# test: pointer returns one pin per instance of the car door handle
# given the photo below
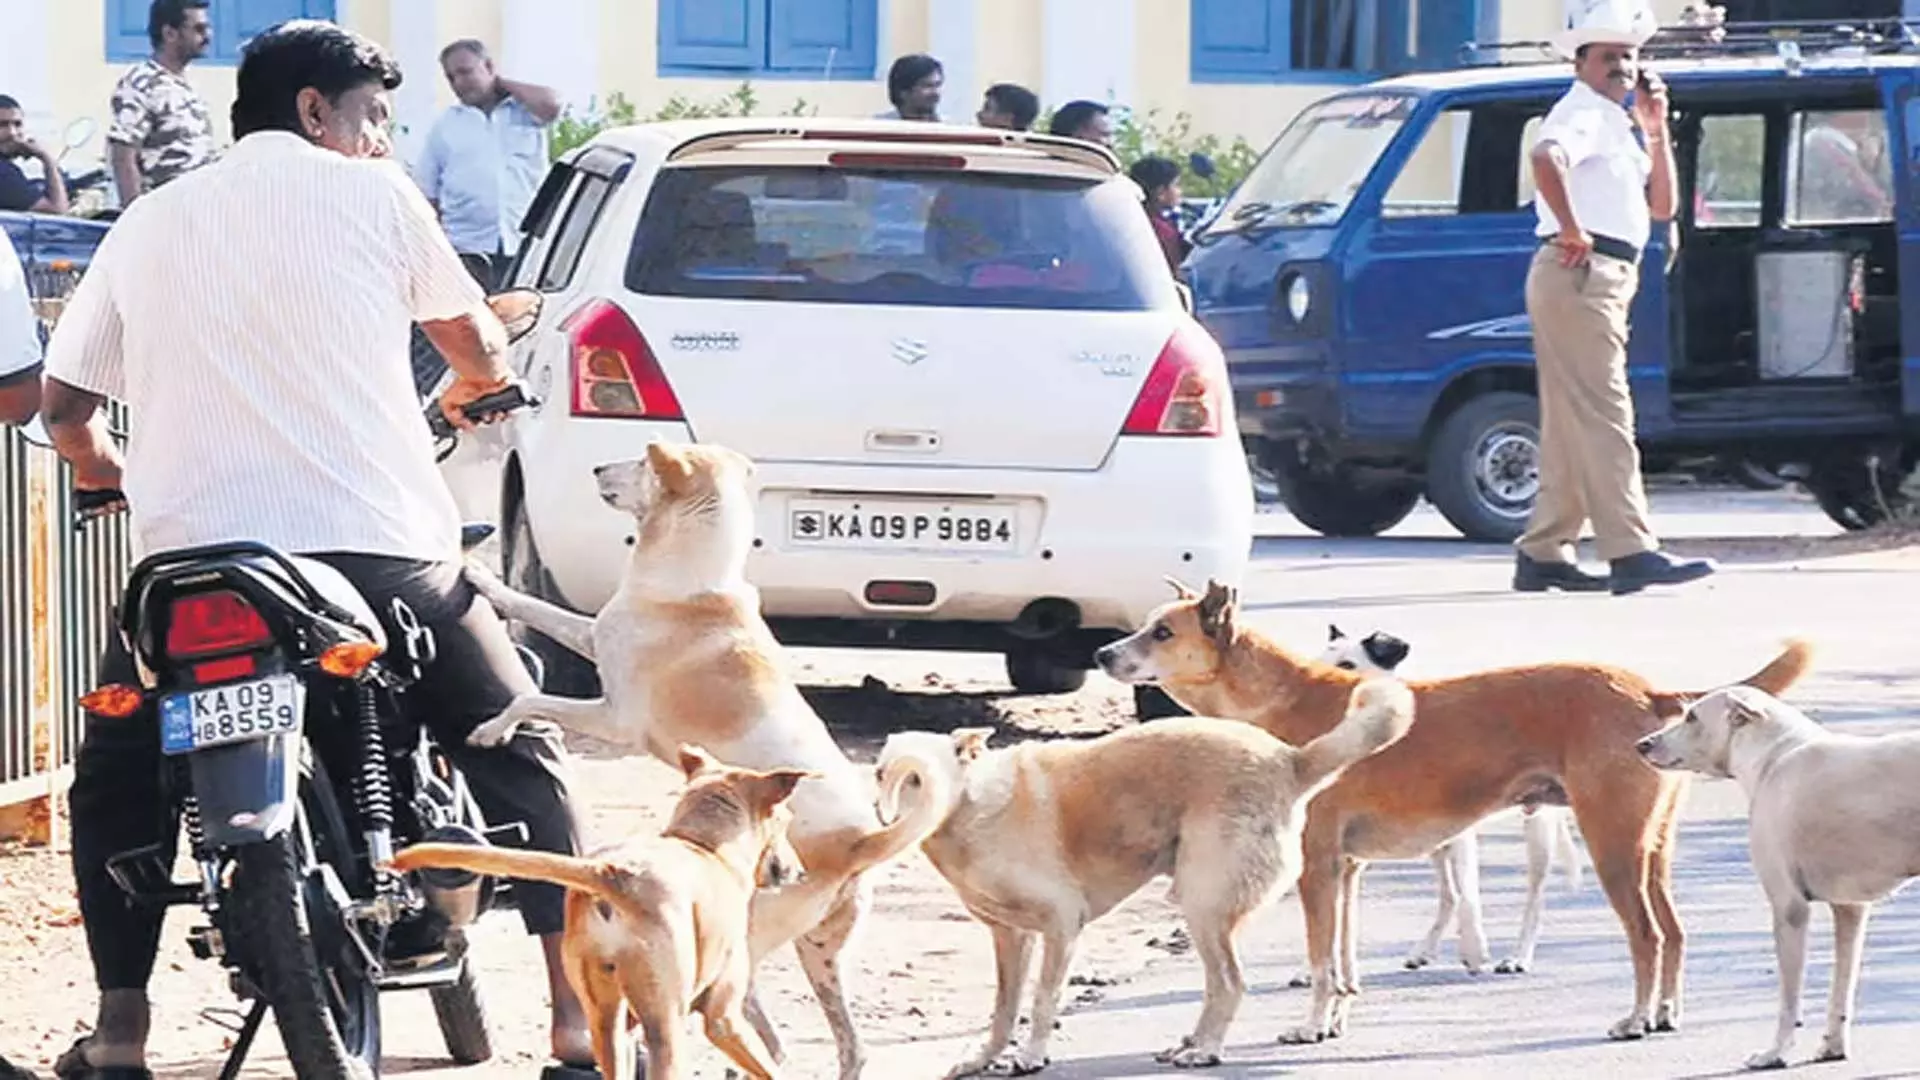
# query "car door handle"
(895, 441)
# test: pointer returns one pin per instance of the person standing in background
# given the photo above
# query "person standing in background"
(161, 127)
(1084, 120)
(1159, 180)
(485, 157)
(913, 85)
(16, 193)
(1008, 106)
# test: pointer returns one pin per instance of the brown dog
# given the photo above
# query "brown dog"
(1482, 743)
(657, 926)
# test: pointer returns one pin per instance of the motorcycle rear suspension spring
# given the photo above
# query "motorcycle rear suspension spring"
(375, 792)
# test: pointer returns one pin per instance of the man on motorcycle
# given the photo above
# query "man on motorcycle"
(254, 315)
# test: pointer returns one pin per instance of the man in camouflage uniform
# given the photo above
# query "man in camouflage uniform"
(161, 128)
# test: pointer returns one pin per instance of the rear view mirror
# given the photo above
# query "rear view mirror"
(518, 310)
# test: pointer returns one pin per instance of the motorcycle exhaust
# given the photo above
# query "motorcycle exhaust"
(459, 896)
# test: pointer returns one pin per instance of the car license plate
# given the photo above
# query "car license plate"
(232, 713)
(906, 526)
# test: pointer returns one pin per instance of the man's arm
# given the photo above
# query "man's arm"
(55, 200)
(19, 341)
(1650, 108)
(539, 100)
(84, 365)
(125, 162)
(78, 428)
(132, 123)
(20, 396)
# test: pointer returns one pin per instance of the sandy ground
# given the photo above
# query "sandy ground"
(923, 969)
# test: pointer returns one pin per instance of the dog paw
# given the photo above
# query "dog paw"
(1767, 1059)
(1417, 961)
(1667, 1017)
(1188, 1056)
(1304, 1036)
(498, 731)
(1300, 981)
(1633, 1027)
(1474, 967)
(1512, 965)
(1018, 1063)
(1832, 1049)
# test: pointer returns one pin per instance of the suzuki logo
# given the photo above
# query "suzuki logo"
(909, 351)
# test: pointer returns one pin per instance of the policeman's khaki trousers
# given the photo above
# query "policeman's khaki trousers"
(1589, 463)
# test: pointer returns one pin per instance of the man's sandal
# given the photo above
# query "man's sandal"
(73, 1065)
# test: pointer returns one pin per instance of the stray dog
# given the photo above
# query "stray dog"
(685, 657)
(658, 925)
(1832, 820)
(1457, 862)
(1483, 743)
(1045, 837)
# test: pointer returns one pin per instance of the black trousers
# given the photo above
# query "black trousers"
(119, 799)
(489, 270)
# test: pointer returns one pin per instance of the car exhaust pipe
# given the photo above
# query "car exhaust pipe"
(459, 896)
(1046, 618)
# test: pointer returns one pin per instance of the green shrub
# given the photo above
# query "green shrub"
(1137, 135)
(573, 130)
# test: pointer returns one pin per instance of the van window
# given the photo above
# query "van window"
(1429, 181)
(1730, 172)
(944, 238)
(1314, 169)
(1470, 161)
(1839, 171)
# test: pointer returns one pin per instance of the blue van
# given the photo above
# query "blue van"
(1366, 281)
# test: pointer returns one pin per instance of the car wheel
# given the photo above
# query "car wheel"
(1483, 469)
(567, 673)
(1335, 504)
(1859, 494)
(1037, 671)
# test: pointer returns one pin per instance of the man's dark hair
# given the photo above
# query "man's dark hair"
(1016, 101)
(1154, 173)
(907, 72)
(7, 102)
(165, 14)
(1073, 116)
(472, 45)
(287, 58)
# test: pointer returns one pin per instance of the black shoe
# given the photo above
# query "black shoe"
(1532, 575)
(1636, 572)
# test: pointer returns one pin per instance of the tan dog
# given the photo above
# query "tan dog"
(685, 657)
(1832, 819)
(1043, 838)
(658, 925)
(1484, 743)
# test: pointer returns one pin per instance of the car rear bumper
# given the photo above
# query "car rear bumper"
(1101, 540)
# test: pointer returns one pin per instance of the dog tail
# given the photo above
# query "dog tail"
(1795, 658)
(922, 813)
(584, 874)
(1378, 715)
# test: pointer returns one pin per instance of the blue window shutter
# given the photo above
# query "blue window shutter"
(1241, 38)
(1444, 26)
(127, 30)
(719, 35)
(822, 36)
(236, 22)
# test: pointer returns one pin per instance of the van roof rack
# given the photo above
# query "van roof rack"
(1789, 39)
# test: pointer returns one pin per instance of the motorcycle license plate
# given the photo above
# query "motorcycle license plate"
(232, 713)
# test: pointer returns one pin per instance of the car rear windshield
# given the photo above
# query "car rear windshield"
(937, 238)
(1316, 166)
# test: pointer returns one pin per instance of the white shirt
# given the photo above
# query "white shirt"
(255, 316)
(19, 327)
(483, 169)
(1607, 171)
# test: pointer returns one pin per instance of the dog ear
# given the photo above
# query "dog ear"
(670, 464)
(1385, 650)
(694, 761)
(1333, 633)
(773, 788)
(1217, 611)
(970, 742)
(1739, 712)
(1180, 589)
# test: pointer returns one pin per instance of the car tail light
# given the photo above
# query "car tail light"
(1186, 392)
(213, 622)
(614, 371)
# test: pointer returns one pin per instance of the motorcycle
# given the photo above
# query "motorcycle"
(295, 776)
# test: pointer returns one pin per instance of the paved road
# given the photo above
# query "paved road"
(1449, 599)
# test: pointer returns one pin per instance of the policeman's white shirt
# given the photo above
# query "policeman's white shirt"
(255, 317)
(1607, 171)
(19, 327)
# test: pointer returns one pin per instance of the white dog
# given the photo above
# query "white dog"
(1549, 829)
(1831, 820)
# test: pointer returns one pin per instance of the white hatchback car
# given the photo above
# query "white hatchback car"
(982, 416)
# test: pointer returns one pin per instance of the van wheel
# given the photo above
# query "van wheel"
(1037, 671)
(1334, 504)
(568, 674)
(1483, 468)
(1858, 494)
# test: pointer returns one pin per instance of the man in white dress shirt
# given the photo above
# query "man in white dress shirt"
(19, 341)
(254, 315)
(1604, 169)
